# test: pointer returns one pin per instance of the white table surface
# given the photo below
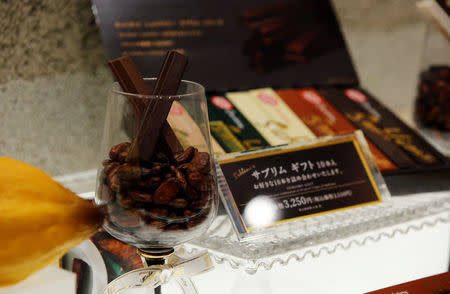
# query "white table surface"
(387, 262)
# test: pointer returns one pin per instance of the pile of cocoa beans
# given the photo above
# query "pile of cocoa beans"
(166, 194)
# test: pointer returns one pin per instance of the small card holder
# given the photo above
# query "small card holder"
(272, 190)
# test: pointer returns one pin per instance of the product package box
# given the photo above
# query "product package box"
(420, 166)
(270, 116)
(324, 120)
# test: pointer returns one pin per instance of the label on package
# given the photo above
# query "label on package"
(280, 185)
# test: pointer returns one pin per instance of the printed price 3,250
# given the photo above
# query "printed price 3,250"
(294, 202)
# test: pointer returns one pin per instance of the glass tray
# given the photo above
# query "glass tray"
(360, 225)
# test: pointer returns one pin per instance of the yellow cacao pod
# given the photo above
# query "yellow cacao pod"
(40, 220)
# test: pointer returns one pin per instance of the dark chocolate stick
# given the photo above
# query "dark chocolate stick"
(171, 73)
(156, 113)
(131, 81)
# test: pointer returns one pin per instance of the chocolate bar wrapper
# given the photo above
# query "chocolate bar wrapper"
(324, 120)
(256, 116)
(188, 132)
(266, 119)
(225, 136)
(417, 146)
(321, 124)
(369, 124)
(221, 108)
(395, 129)
(185, 128)
(217, 149)
(290, 125)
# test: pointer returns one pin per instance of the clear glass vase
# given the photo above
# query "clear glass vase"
(171, 198)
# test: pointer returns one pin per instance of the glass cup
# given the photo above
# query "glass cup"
(172, 198)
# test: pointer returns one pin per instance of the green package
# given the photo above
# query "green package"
(220, 108)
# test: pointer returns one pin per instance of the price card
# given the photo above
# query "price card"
(267, 188)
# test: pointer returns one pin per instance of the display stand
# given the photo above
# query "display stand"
(251, 256)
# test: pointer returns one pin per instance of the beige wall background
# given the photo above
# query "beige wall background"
(54, 81)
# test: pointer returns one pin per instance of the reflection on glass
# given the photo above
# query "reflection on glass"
(261, 211)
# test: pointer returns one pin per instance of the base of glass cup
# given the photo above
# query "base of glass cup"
(155, 253)
(134, 278)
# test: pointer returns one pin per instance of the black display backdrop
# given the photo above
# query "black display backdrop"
(231, 44)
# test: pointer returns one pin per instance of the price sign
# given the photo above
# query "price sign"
(282, 185)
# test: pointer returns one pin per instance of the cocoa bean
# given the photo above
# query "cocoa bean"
(191, 193)
(156, 170)
(207, 184)
(107, 209)
(113, 181)
(194, 178)
(128, 219)
(111, 167)
(195, 221)
(169, 175)
(106, 162)
(184, 167)
(200, 182)
(129, 172)
(199, 204)
(174, 227)
(186, 156)
(124, 201)
(123, 155)
(140, 196)
(200, 162)
(180, 177)
(178, 203)
(156, 224)
(188, 213)
(117, 149)
(151, 183)
(105, 193)
(166, 191)
(205, 196)
(157, 212)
